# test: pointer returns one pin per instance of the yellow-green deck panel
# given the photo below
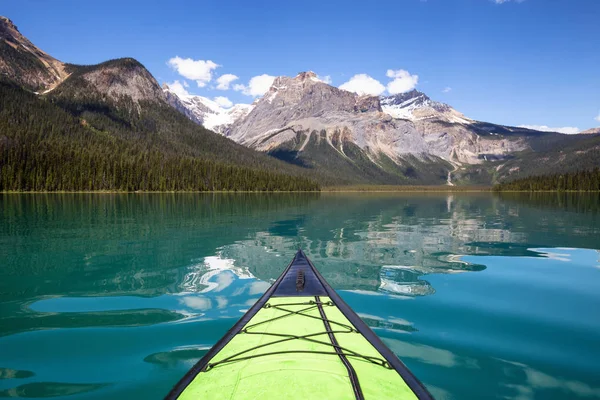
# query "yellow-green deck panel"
(296, 375)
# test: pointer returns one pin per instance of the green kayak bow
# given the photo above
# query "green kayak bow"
(299, 341)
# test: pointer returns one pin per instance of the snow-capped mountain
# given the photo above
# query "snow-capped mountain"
(398, 138)
(415, 105)
(395, 126)
(207, 112)
(404, 138)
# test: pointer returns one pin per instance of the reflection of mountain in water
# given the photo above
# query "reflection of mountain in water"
(148, 245)
(378, 242)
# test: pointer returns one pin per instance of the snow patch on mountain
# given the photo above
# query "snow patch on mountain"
(414, 106)
(208, 112)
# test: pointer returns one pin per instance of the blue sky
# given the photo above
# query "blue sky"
(528, 62)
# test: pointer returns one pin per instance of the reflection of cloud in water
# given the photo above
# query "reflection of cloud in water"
(196, 302)
(429, 354)
(370, 293)
(553, 255)
(258, 287)
(186, 355)
(390, 323)
(439, 393)
(221, 301)
(250, 302)
(223, 280)
(536, 381)
(403, 280)
(209, 276)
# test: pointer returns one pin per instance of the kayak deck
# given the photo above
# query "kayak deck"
(299, 341)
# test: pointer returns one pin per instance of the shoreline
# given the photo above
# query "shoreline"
(331, 189)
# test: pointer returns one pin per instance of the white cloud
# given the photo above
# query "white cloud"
(363, 84)
(185, 84)
(598, 117)
(223, 101)
(325, 79)
(257, 86)
(447, 89)
(402, 81)
(568, 130)
(225, 80)
(179, 89)
(197, 70)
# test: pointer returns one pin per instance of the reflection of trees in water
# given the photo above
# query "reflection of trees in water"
(408, 237)
(587, 202)
(351, 238)
(146, 244)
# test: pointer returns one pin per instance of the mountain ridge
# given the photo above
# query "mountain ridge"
(389, 139)
(110, 126)
(306, 127)
(43, 71)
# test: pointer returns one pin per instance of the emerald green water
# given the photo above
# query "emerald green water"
(118, 295)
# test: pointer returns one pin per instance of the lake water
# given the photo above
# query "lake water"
(118, 295)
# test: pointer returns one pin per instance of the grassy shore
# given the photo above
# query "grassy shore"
(149, 191)
(340, 189)
(393, 188)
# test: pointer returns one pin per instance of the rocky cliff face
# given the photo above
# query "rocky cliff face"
(22, 62)
(308, 122)
(408, 124)
(122, 84)
(592, 131)
(122, 78)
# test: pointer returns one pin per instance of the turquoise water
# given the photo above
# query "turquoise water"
(117, 296)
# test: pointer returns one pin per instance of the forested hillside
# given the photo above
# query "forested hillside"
(574, 181)
(56, 143)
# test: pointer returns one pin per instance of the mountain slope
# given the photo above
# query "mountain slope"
(44, 147)
(29, 66)
(401, 139)
(420, 148)
(591, 131)
(414, 106)
(110, 126)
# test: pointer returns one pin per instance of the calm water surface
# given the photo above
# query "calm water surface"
(117, 296)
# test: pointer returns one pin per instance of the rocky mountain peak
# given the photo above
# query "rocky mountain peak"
(413, 96)
(24, 63)
(118, 79)
(306, 75)
(7, 27)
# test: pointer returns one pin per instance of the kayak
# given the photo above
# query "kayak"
(300, 340)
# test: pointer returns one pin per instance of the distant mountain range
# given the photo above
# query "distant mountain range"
(308, 129)
(404, 138)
